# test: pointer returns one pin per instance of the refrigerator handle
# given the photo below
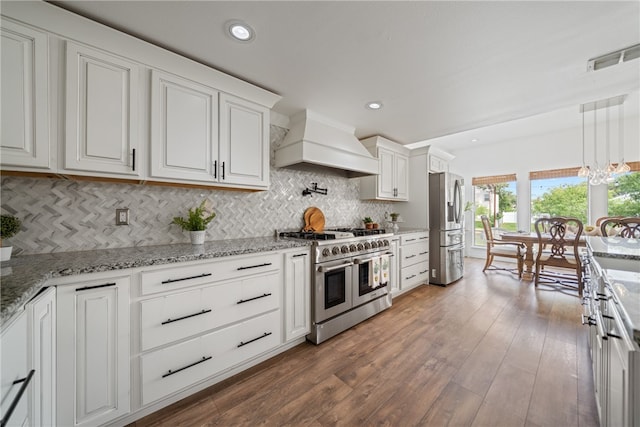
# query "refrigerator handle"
(457, 201)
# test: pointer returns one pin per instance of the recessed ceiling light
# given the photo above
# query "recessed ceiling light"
(240, 31)
(474, 139)
(374, 105)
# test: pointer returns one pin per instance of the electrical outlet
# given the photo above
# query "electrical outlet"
(122, 216)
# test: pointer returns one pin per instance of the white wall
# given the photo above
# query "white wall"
(540, 151)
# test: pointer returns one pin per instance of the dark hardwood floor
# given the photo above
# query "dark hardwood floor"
(488, 350)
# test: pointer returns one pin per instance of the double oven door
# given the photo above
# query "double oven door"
(343, 284)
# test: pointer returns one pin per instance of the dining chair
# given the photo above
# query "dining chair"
(628, 227)
(558, 240)
(497, 248)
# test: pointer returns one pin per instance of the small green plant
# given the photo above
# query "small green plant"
(367, 220)
(9, 226)
(197, 220)
(394, 216)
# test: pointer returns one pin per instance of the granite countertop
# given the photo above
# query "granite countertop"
(22, 277)
(409, 230)
(625, 286)
(614, 247)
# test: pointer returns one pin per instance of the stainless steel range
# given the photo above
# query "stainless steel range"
(350, 278)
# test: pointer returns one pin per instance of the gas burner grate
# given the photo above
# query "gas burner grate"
(307, 235)
(358, 232)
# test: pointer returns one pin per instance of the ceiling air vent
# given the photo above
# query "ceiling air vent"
(613, 58)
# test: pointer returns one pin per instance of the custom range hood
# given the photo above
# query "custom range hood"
(314, 140)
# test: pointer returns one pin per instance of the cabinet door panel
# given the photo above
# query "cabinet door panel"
(24, 139)
(297, 295)
(386, 187)
(244, 142)
(93, 351)
(184, 133)
(402, 177)
(101, 112)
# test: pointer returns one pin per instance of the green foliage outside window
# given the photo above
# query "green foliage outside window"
(569, 200)
(624, 195)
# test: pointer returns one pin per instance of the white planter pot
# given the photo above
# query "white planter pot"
(197, 237)
(5, 253)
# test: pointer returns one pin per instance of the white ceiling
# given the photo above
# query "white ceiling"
(439, 68)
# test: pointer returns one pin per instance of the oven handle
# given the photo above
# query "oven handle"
(323, 269)
(364, 260)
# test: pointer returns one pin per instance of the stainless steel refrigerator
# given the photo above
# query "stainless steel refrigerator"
(446, 232)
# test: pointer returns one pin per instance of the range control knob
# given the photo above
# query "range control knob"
(335, 250)
(360, 246)
(353, 247)
(326, 252)
(344, 249)
(374, 244)
(385, 242)
(367, 245)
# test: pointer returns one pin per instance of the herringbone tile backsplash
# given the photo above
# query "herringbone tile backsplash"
(59, 215)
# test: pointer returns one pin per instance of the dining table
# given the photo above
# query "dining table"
(530, 240)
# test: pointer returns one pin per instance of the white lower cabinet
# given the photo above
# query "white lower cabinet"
(297, 294)
(93, 357)
(414, 260)
(42, 357)
(178, 366)
(14, 372)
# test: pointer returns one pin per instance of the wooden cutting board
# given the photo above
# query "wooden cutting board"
(313, 220)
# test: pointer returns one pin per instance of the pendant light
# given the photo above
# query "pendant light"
(584, 170)
(622, 166)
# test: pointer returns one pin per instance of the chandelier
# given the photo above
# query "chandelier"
(602, 170)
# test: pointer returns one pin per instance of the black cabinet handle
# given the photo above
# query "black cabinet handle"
(424, 237)
(409, 256)
(86, 288)
(186, 317)
(186, 278)
(266, 334)
(215, 169)
(422, 272)
(410, 277)
(170, 372)
(25, 383)
(242, 301)
(254, 266)
(133, 160)
(410, 240)
(612, 335)
(223, 170)
(297, 255)
(423, 253)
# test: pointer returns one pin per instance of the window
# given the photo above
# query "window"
(495, 197)
(624, 193)
(558, 192)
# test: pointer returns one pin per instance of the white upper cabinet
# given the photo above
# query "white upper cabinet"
(184, 129)
(101, 112)
(392, 182)
(24, 140)
(244, 142)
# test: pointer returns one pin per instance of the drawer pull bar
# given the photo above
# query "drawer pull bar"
(170, 372)
(410, 277)
(410, 240)
(242, 301)
(297, 255)
(186, 278)
(423, 237)
(86, 288)
(422, 272)
(254, 266)
(186, 317)
(423, 253)
(409, 256)
(25, 383)
(266, 334)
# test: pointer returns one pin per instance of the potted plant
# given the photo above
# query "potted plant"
(394, 216)
(9, 226)
(196, 222)
(368, 222)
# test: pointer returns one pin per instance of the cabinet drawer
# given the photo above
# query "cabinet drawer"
(183, 314)
(416, 273)
(406, 239)
(413, 254)
(173, 368)
(167, 279)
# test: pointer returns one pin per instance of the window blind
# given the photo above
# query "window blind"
(495, 179)
(553, 173)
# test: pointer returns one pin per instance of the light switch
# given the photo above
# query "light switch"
(122, 216)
